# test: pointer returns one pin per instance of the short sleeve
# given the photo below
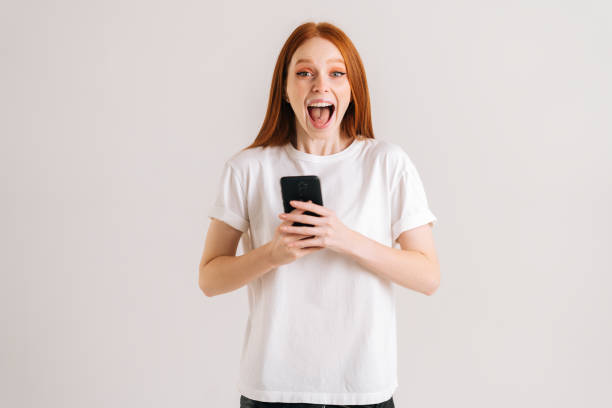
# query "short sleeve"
(409, 207)
(230, 205)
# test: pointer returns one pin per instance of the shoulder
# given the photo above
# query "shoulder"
(392, 154)
(248, 164)
(244, 160)
(243, 156)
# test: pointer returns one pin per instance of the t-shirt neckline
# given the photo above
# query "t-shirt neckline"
(300, 155)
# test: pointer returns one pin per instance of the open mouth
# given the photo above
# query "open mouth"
(321, 117)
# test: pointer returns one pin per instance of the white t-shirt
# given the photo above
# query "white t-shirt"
(322, 329)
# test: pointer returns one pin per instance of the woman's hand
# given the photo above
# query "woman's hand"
(281, 251)
(327, 230)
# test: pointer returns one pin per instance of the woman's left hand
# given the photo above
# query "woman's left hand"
(327, 230)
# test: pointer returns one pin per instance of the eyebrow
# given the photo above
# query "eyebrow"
(329, 60)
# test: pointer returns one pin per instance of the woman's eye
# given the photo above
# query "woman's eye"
(335, 72)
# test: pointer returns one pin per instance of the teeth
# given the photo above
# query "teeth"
(319, 104)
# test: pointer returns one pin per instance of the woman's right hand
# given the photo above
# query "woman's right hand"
(280, 253)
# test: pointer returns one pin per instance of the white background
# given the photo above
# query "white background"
(116, 119)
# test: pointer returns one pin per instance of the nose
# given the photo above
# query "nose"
(320, 84)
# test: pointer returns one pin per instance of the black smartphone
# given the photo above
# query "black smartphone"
(301, 188)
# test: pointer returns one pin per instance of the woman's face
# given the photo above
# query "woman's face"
(317, 71)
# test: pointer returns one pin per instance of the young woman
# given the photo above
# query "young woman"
(321, 327)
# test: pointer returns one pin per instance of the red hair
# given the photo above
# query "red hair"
(278, 127)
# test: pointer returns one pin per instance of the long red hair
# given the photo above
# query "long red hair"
(278, 127)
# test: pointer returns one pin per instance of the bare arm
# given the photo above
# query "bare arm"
(220, 270)
(415, 266)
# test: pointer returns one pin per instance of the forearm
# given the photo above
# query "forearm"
(227, 273)
(410, 269)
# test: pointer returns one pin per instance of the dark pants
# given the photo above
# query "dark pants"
(249, 403)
